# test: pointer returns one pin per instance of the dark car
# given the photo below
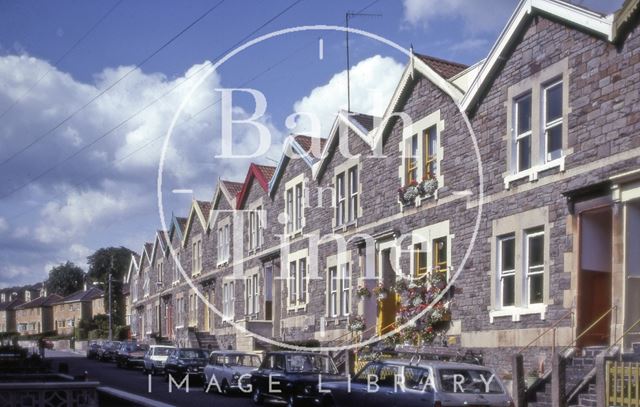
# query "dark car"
(292, 377)
(92, 350)
(186, 361)
(131, 354)
(405, 383)
(107, 351)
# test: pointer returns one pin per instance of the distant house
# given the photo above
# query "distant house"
(36, 316)
(8, 314)
(70, 310)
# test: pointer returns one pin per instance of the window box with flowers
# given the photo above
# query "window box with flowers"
(416, 192)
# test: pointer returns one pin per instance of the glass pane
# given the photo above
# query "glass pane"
(536, 250)
(554, 142)
(554, 102)
(536, 288)
(524, 153)
(414, 146)
(508, 291)
(508, 253)
(433, 141)
(523, 118)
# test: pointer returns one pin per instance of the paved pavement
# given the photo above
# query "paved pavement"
(133, 381)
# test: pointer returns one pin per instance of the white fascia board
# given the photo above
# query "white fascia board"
(568, 12)
(397, 94)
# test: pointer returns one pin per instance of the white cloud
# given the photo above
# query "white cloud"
(373, 81)
(476, 16)
(92, 201)
(81, 213)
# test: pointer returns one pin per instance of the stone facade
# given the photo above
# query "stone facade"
(480, 198)
(36, 316)
(76, 307)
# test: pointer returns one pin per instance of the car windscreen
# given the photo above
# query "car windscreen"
(310, 364)
(469, 381)
(242, 360)
(192, 354)
(162, 351)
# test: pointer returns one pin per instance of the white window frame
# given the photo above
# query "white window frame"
(533, 270)
(418, 130)
(518, 138)
(334, 306)
(176, 267)
(546, 126)
(294, 198)
(297, 280)
(345, 289)
(340, 200)
(502, 274)
(353, 176)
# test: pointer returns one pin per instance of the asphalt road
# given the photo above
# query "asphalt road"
(133, 381)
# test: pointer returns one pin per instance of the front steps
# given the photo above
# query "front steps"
(206, 340)
(580, 381)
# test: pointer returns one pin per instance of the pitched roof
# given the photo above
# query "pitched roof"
(262, 174)
(182, 222)
(83, 295)
(267, 171)
(233, 187)
(566, 13)
(367, 121)
(444, 68)
(41, 302)
(9, 305)
(205, 207)
(309, 144)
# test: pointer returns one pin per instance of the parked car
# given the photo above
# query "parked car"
(399, 382)
(185, 361)
(155, 358)
(131, 354)
(107, 351)
(231, 370)
(292, 377)
(47, 343)
(92, 349)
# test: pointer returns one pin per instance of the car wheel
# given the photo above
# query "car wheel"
(153, 370)
(166, 377)
(257, 397)
(291, 402)
(226, 389)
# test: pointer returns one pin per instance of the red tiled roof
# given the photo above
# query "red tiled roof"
(233, 187)
(267, 171)
(444, 68)
(307, 143)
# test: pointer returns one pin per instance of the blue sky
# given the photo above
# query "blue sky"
(104, 195)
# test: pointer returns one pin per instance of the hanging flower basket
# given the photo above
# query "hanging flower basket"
(356, 324)
(363, 292)
(380, 291)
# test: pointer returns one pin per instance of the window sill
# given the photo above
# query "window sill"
(533, 172)
(222, 263)
(343, 227)
(516, 312)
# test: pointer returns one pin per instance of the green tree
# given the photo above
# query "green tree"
(114, 260)
(65, 279)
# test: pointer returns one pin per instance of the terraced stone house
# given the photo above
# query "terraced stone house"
(528, 167)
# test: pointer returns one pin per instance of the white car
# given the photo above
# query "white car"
(155, 358)
(231, 369)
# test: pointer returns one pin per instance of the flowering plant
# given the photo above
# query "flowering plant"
(356, 324)
(426, 188)
(363, 292)
(415, 298)
(380, 291)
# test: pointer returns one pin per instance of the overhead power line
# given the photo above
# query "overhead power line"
(138, 112)
(57, 61)
(111, 86)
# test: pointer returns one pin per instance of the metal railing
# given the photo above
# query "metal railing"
(590, 327)
(553, 328)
